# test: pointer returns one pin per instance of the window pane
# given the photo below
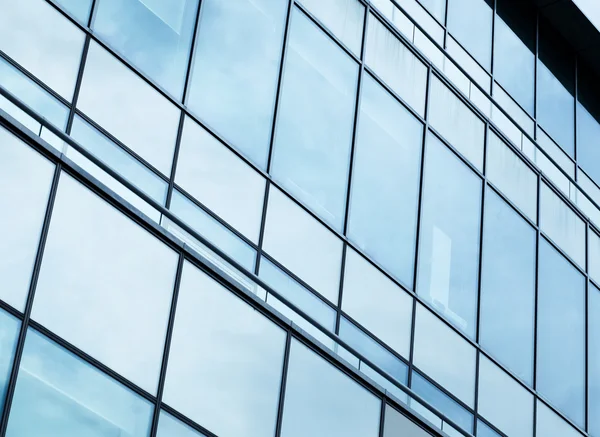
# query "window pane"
(25, 179)
(155, 35)
(588, 121)
(436, 7)
(168, 426)
(594, 256)
(235, 70)
(33, 95)
(225, 362)
(314, 126)
(302, 245)
(508, 287)
(377, 303)
(456, 122)
(385, 181)
(550, 423)
(485, 431)
(345, 18)
(443, 355)
(304, 299)
(561, 333)
(44, 42)
(514, 50)
(393, 62)
(509, 173)
(220, 180)
(128, 108)
(449, 241)
(59, 394)
(562, 225)
(594, 359)
(470, 21)
(321, 400)
(9, 333)
(398, 425)
(98, 267)
(503, 402)
(80, 9)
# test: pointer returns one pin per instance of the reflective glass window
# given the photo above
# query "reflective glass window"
(470, 22)
(225, 362)
(220, 180)
(25, 179)
(235, 70)
(594, 359)
(503, 402)
(33, 95)
(449, 236)
(456, 122)
(508, 287)
(549, 423)
(561, 333)
(398, 425)
(594, 255)
(59, 394)
(304, 299)
(484, 430)
(393, 62)
(42, 41)
(512, 176)
(154, 35)
(345, 18)
(514, 50)
(9, 333)
(385, 181)
(588, 121)
(119, 160)
(562, 224)
(315, 121)
(80, 9)
(168, 426)
(321, 400)
(555, 87)
(436, 7)
(378, 304)
(302, 245)
(100, 268)
(444, 355)
(128, 108)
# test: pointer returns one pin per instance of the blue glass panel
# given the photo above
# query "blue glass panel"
(594, 359)
(449, 241)
(508, 287)
(80, 9)
(168, 426)
(485, 431)
(235, 70)
(372, 351)
(561, 333)
(385, 181)
(9, 332)
(155, 35)
(57, 394)
(588, 121)
(442, 402)
(315, 117)
(470, 22)
(436, 7)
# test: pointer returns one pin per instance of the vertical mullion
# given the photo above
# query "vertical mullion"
(535, 317)
(382, 417)
(29, 303)
(168, 337)
(78, 82)
(587, 319)
(175, 160)
(284, 372)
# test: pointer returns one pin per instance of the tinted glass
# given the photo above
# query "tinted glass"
(42, 41)
(470, 21)
(321, 400)
(436, 7)
(57, 394)
(168, 426)
(561, 333)
(508, 287)
(314, 125)
(154, 35)
(593, 246)
(550, 423)
(311, 251)
(588, 121)
(594, 359)
(98, 268)
(128, 108)
(220, 180)
(378, 304)
(235, 69)
(9, 333)
(385, 181)
(225, 362)
(398, 425)
(25, 179)
(80, 9)
(449, 239)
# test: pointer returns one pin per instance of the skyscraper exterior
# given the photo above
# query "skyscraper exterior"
(299, 218)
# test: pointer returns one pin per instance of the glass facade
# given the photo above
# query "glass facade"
(280, 218)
